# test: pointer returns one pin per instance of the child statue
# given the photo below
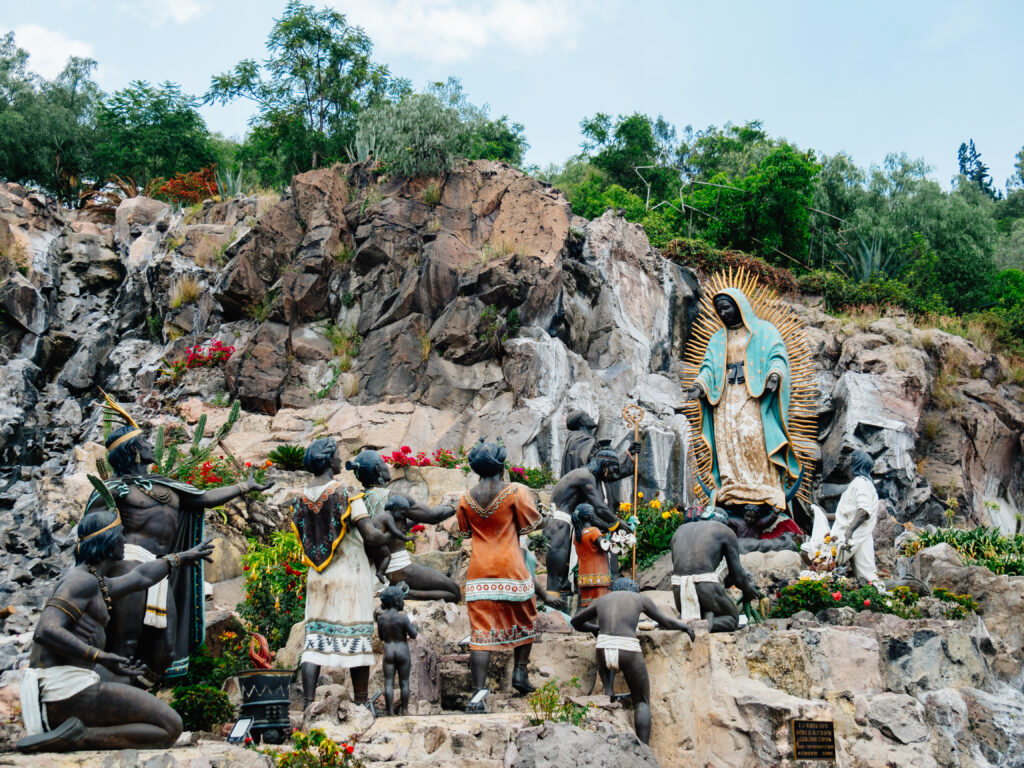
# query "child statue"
(594, 577)
(381, 555)
(395, 629)
(618, 647)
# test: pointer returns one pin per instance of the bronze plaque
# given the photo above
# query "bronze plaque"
(813, 739)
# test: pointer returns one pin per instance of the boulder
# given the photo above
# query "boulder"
(22, 302)
(558, 744)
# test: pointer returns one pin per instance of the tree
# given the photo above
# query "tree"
(633, 152)
(974, 169)
(485, 139)
(316, 80)
(46, 126)
(148, 132)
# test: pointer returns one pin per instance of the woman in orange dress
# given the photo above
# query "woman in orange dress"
(499, 586)
(593, 575)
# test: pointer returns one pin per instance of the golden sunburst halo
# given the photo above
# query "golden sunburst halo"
(802, 419)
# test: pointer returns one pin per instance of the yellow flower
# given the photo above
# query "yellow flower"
(625, 506)
(655, 504)
(673, 511)
(833, 551)
(666, 515)
(640, 495)
(828, 539)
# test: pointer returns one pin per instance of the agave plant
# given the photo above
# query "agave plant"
(367, 146)
(228, 185)
(869, 260)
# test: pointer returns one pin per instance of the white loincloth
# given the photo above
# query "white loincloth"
(612, 644)
(399, 560)
(156, 596)
(689, 604)
(560, 515)
(39, 686)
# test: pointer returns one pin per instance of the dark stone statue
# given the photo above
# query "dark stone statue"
(380, 555)
(395, 630)
(384, 503)
(579, 486)
(613, 620)
(65, 704)
(582, 444)
(160, 516)
(424, 583)
(700, 577)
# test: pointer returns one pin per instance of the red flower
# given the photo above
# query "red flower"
(418, 527)
(406, 449)
(349, 748)
(867, 603)
(837, 596)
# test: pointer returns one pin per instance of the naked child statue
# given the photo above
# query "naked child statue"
(395, 630)
(618, 647)
(65, 704)
(706, 560)
(161, 516)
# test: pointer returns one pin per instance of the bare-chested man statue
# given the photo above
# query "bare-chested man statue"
(579, 486)
(64, 703)
(618, 648)
(164, 624)
(701, 553)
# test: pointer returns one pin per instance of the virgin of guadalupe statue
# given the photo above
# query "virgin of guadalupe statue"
(753, 436)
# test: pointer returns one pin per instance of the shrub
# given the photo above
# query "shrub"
(419, 135)
(707, 259)
(818, 594)
(275, 587)
(190, 188)
(404, 457)
(198, 357)
(984, 546)
(443, 457)
(658, 521)
(549, 704)
(207, 670)
(532, 477)
(288, 456)
(202, 707)
(316, 750)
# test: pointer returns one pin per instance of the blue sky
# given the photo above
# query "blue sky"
(866, 77)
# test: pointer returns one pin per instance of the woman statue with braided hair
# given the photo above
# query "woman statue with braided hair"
(499, 586)
(332, 525)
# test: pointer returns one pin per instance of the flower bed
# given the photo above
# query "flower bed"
(198, 356)
(987, 547)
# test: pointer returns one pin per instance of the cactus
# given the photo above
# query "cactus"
(103, 469)
(200, 430)
(158, 446)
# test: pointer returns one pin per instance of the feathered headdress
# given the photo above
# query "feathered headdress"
(116, 413)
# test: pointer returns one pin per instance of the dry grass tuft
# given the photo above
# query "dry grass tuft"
(185, 291)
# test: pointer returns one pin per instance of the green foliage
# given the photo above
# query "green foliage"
(658, 522)
(346, 343)
(316, 750)
(868, 261)
(842, 294)
(708, 260)
(47, 127)
(424, 134)
(984, 546)
(155, 326)
(189, 466)
(818, 594)
(961, 606)
(287, 456)
(275, 586)
(550, 704)
(532, 477)
(205, 669)
(202, 707)
(317, 78)
(633, 152)
(148, 132)
(432, 194)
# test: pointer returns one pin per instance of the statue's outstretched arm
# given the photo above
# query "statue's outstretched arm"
(421, 513)
(666, 621)
(216, 497)
(737, 576)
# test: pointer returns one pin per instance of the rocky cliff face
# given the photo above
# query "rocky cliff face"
(394, 312)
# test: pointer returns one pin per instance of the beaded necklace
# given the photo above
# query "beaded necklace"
(103, 588)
